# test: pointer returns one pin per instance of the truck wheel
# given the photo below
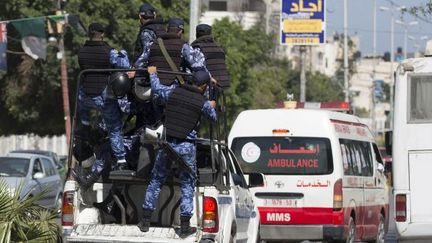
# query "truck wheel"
(233, 233)
(351, 231)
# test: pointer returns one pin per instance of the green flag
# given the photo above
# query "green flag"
(33, 36)
(30, 27)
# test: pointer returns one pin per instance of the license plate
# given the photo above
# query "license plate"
(281, 202)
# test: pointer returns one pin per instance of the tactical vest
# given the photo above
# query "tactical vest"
(183, 111)
(94, 55)
(215, 59)
(155, 25)
(173, 45)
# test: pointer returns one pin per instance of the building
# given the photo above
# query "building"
(247, 12)
(362, 88)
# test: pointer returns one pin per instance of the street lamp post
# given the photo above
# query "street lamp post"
(194, 18)
(405, 25)
(391, 10)
(346, 84)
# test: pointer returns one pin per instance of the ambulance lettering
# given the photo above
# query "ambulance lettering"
(280, 217)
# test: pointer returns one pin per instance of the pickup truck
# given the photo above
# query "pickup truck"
(224, 210)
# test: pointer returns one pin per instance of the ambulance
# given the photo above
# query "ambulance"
(323, 173)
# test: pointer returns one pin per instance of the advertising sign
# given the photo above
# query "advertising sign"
(302, 22)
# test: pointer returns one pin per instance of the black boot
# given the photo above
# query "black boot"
(122, 166)
(85, 181)
(185, 228)
(144, 223)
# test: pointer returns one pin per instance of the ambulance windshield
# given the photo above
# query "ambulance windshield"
(284, 155)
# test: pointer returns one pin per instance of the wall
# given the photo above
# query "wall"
(55, 143)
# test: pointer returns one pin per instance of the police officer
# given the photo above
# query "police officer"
(94, 92)
(182, 54)
(214, 54)
(98, 155)
(151, 27)
(183, 110)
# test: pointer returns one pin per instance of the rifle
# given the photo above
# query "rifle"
(175, 157)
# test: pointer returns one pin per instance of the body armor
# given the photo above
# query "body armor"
(183, 111)
(155, 25)
(173, 45)
(215, 59)
(94, 55)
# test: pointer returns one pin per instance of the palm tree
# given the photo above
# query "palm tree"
(22, 220)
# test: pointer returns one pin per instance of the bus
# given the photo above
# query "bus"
(323, 175)
(411, 146)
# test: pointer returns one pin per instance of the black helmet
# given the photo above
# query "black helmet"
(120, 84)
(82, 150)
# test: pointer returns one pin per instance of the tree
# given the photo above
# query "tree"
(22, 220)
(31, 100)
(424, 9)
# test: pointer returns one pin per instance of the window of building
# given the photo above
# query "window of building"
(218, 6)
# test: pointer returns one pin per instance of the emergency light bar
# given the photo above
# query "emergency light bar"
(331, 105)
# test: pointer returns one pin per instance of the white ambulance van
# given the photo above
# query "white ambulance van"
(323, 174)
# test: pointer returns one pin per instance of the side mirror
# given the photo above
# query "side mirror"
(389, 142)
(380, 168)
(38, 175)
(237, 180)
(256, 180)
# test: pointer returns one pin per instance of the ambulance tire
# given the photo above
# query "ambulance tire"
(351, 231)
(380, 232)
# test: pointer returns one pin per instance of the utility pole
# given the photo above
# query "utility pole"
(346, 85)
(64, 77)
(392, 51)
(405, 25)
(391, 71)
(194, 16)
(374, 73)
(268, 12)
(302, 74)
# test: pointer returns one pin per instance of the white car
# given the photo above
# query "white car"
(224, 210)
(35, 173)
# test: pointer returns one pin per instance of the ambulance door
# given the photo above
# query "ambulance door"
(369, 213)
(353, 192)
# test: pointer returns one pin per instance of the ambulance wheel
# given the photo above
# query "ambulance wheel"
(351, 231)
(380, 232)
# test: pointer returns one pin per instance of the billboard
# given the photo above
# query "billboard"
(302, 22)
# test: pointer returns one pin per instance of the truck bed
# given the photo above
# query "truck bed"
(126, 233)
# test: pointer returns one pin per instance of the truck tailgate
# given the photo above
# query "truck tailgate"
(126, 233)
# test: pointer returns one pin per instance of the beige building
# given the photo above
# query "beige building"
(361, 88)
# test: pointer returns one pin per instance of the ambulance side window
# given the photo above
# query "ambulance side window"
(367, 158)
(348, 153)
(345, 159)
(356, 157)
(377, 154)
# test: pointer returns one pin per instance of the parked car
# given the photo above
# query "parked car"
(36, 173)
(59, 165)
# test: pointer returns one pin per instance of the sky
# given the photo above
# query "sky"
(360, 23)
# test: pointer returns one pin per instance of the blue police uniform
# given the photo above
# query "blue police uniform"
(104, 153)
(185, 148)
(146, 37)
(111, 114)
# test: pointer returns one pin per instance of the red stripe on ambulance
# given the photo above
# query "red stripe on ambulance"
(278, 215)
